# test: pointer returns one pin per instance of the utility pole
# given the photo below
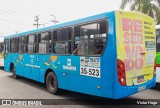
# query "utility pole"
(54, 20)
(36, 20)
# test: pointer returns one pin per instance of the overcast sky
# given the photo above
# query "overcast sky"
(18, 15)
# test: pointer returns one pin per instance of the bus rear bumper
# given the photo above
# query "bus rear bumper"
(120, 91)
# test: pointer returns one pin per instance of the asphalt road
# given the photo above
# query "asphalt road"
(28, 89)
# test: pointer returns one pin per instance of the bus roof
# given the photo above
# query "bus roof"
(99, 16)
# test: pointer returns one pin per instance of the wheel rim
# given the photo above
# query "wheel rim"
(52, 82)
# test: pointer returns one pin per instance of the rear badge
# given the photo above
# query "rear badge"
(141, 88)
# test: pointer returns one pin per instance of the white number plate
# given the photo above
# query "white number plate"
(90, 71)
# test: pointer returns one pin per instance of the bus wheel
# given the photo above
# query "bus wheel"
(52, 83)
(14, 73)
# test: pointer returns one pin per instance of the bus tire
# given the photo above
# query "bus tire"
(51, 83)
(13, 70)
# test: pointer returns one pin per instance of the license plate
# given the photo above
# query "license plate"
(140, 79)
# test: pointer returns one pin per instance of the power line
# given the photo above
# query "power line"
(14, 22)
(8, 11)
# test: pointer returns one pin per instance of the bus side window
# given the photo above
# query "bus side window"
(62, 41)
(76, 39)
(13, 45)
(45, 42)
(100, 38)
(6, 47)
(54, 41)
(30, 44)
(21, 44)
(103, 36)
(90, 38)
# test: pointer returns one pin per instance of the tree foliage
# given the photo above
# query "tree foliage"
(149, 7)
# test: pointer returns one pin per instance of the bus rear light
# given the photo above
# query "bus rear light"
(122, 80)
(155, 65)
(121, 65)
(121, 72)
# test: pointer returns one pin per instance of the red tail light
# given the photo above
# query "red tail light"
(121, 72)
(155, 65)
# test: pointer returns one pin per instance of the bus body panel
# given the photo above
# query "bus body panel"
(7, 62)
(19, 65)
(136, 46)
(109, 59)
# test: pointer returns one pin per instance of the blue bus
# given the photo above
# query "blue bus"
(109, 55)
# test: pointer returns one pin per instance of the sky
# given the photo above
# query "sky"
(18, 15)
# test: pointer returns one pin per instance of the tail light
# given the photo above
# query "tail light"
(155, 65)
(121, 72)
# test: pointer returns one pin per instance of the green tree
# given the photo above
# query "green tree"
(149, 7)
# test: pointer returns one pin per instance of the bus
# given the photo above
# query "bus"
(158, 53)
(1, 54)
(110, 55)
